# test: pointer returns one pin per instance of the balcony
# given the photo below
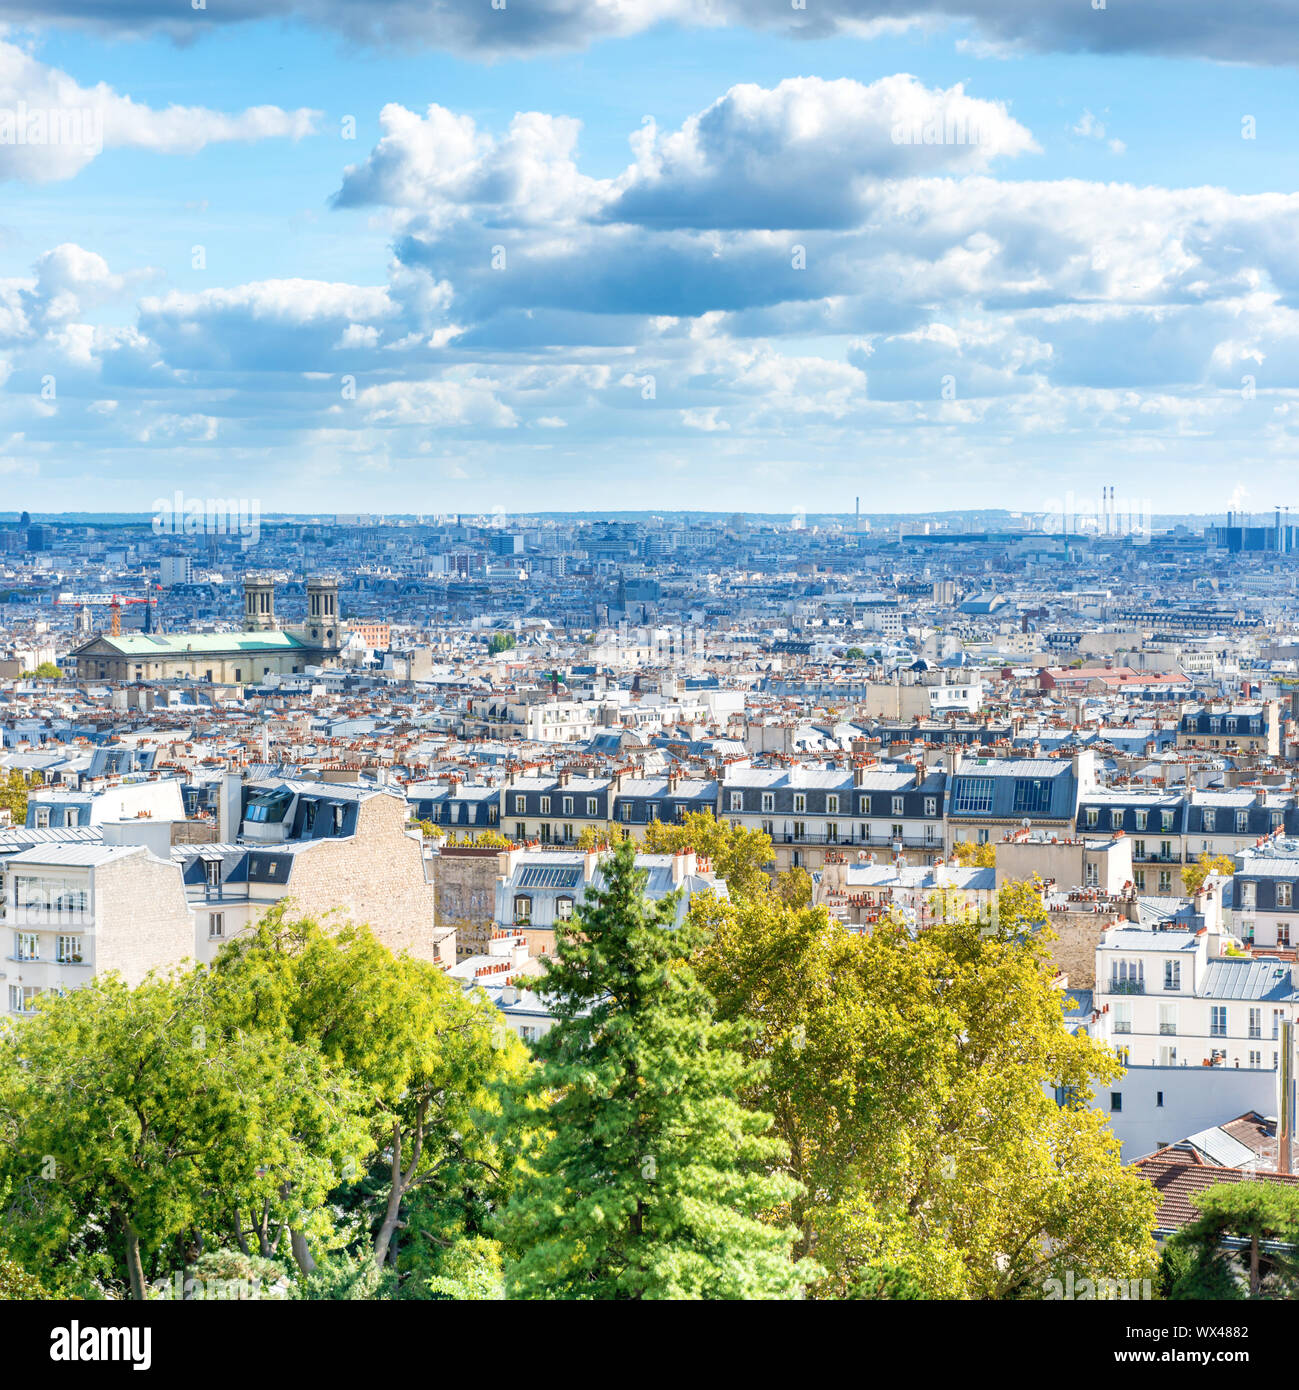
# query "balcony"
(1168, 1030)
(1127, 987)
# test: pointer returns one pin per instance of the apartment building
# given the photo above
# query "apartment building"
(1166, 997)
(77, 909)
(1224, 727)
(340, 852)
(811, 812)
(1262, 899)
(990, 797)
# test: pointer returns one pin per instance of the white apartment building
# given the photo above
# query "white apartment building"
(74, 910)
(1167, 997)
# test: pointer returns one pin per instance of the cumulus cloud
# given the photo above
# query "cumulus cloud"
(51, 127)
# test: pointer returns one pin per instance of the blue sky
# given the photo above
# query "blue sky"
(506, 288)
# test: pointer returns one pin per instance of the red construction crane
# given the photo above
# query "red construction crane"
(114, 602)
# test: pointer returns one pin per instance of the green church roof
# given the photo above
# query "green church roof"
(198, 643)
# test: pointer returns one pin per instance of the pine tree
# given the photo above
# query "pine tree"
(647, 1176)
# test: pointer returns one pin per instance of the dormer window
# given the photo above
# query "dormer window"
(522, 910)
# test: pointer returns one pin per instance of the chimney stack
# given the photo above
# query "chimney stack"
(1285, 1110)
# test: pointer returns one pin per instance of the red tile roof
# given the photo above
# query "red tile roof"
(1178, 1175)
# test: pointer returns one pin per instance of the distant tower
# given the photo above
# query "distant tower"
(259, 603)
(322, 612)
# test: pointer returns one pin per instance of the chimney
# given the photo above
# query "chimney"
(1286, 1099)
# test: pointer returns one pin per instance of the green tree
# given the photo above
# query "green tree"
(1265, 1214)
(426, 1056)
(46, 671)
(913, 1080)
(739, 854)
(143, 1112)
(13, 794)
(975, 856)
(1194, 875)
(646, 1178)
(500, 642)
(794, 887)
(855, 654)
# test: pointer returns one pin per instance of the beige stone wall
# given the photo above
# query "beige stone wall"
(375, 877)
(466, 895)
(144, 922)
(1075, 950)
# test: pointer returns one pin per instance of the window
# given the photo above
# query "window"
(1122, 1018)
(863, 805)
(626, 810)
(768, 828)
(1138, 849)
(68, 950)
(800, 830)
(895, 833)
(973, 796)
(768, 801)
(545, 805)
(1116, 1101)
(42, 817)
(1168, 1020)
(568, 831)
(592, 806)
(1165, 880)
(1242, 822)
(22, 998)
(520, 830)
(737, 801)
(1248, 894)
(832, 831)
(568, 805)
(1283, 895)
(897, 806)
(216, 926)
(1283, 933)
(563, 909)
(651, 810)
(1210, 818)
(931, 805)
(800, 803)
(522, 910)
(832, 805)
(1218, 1021)
(1140, 818)
(1032, 796)
(1276, 1023)
(1256, 1060)
(338, 820)
(1093, 816)
(27, 945)
(1116, 820)
(1159, 1104)
(520, 806)
(1172, 974)
(1167, 820)
(1091, 874)
(212, 873)
(1256, 1023)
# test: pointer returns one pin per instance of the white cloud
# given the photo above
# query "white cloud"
(51, 127)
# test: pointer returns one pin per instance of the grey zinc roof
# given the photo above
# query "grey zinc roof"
(1134, 939)
(1246, 979)
(75, 856)
(1216, 1144)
